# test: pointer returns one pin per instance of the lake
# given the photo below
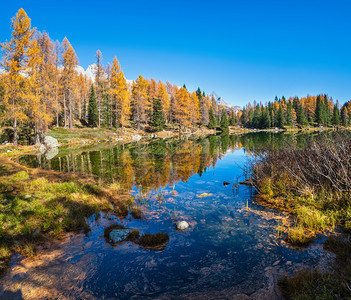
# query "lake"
(232, 247)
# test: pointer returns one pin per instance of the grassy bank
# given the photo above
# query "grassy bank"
(37, 206)
(313, 184)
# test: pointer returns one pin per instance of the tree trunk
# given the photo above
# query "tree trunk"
(15, 136)
(70, 109)
(57, 119)
(37, 138)
(64, 110)
(116, 118)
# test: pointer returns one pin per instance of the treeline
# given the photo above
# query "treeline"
(308, 111)
(41, 86)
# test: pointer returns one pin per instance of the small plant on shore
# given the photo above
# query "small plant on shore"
(313, 183)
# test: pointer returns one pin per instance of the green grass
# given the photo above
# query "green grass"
(34, 209)
(313, 284)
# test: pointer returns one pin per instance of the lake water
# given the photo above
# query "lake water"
(232, 246)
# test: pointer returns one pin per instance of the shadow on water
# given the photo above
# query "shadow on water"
(231, 247)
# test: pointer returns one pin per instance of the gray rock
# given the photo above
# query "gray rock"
(118, 235)
(42, 148)
(27, 196)
(182, 225)
(51, 153)
(136, 137)
(50, 142)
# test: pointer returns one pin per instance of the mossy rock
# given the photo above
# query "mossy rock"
(156, 241)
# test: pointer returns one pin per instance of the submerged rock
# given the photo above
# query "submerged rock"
(204, 195)
(118, 235)
(182, 225)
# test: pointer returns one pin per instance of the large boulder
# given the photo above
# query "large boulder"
(50, 142)
(51, 153)
(118, 235)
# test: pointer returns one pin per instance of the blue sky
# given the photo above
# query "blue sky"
(242, 50)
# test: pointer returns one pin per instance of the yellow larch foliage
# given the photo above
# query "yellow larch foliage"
(164, 98)
(182, 108)
(15, 63)
(119, 94)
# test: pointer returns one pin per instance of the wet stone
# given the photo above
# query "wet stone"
(118, 235)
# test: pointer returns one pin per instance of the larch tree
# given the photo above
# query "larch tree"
(98, 83)
(164, 98)
(35, 104)
(15, 63)
(140, 101)
(119, 94)
(70, 62)
(46, 79)
(57, 81)
(194, 109)
(182, 109)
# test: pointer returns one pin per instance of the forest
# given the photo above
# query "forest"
(40, 88)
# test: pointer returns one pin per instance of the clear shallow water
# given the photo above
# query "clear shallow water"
(232, 246)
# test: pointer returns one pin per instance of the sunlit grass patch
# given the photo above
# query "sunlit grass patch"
(299, 236)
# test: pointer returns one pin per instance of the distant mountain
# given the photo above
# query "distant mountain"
(89, 73)
(224, 103)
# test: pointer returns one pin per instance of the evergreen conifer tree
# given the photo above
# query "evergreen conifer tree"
(212, 124)
(280, 118)
(224, 125)
(93, 116)
(301, 116)
(344, 116)
(336, 115)
(232, 121)
(157, 118)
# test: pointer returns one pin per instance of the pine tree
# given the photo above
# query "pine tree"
(93, 116)
(301, 116)
(289, 115)
(256, 117)
(344, 118)
(224, 125)
(319, 114)
(265, 119)
(232, 121)
(336, 115)
(212, 124)
(157, 118)
(280, 118)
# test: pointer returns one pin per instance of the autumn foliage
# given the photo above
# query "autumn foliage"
(41, 87)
